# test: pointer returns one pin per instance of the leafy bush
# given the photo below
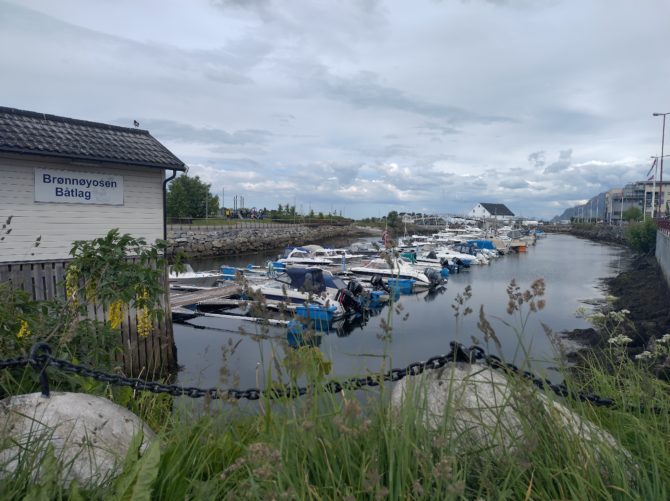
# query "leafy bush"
(632, 214)
(100, 273)
(642, 236)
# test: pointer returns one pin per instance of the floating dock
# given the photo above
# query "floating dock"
(180, 298)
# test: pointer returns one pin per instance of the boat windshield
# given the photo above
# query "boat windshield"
(334, 282)
(304, 279)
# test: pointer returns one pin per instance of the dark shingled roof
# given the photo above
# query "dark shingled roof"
(27, 132)
(497, 209)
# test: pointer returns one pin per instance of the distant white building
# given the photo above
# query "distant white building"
(491, 211)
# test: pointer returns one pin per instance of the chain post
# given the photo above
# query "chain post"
(40, 364)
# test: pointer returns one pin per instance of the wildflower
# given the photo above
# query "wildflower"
(115, 313)
(372, 480)
(443, 468)
(382, 493)
(352, 409)
(24, 330)
(664, 340)
(417, 489)
(457, 488)
(645, 355)
(339, 423)
(144, 320)
(538, 287)
(619, 340)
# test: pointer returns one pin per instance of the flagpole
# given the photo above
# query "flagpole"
(653, 168)
(644, 206)
(653, 196)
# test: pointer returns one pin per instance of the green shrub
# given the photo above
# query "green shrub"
(641, 237)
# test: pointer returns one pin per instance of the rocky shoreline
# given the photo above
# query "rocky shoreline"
(640, 289)
(610, 234)
(232, 241)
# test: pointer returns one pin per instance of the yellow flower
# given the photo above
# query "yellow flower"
(144, 322)
(24, 331)
(116, 313)
(144, 319)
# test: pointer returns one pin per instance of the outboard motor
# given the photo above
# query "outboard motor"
(348, 301)
(434, 276)
(355, 287)
(453, 268)
(431, 255)
(461, 263)
(378, 284)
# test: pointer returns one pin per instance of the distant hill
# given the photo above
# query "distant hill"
(593, 209)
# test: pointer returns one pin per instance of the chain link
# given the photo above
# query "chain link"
(41, 358)
(9, 363)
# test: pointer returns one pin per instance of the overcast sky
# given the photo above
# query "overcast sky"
(362, 106)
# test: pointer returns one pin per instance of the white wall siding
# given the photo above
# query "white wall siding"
(59, 224)
(479, 212)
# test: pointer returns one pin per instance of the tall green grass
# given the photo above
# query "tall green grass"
(356, 446)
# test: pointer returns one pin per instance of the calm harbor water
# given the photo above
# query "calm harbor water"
(422, 325)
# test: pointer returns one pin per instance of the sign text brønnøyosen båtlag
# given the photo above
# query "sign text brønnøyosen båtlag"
(72, 187)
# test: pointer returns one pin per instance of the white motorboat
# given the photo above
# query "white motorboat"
(303, 256)
(317, 288)
(188, 277)
(335, 255)
(398, 269)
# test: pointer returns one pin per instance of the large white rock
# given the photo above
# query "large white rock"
(481, 409)
(90, 435)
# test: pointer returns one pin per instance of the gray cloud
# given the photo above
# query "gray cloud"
(537, 158)
(514, 184)
(435, 129)
(563, 162)
(365, 90)
(169, 130)
(372, 105)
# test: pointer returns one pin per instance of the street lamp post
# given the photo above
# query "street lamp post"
(660, 177)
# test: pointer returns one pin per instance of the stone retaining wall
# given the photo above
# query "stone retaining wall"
(240, 241)
(611, 234)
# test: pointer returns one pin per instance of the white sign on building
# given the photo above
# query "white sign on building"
(70, 187)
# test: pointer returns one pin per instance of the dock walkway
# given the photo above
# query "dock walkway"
(182, 298)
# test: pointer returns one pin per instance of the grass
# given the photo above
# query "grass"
(356, 446)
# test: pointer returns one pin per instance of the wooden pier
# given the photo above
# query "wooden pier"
(182, 298)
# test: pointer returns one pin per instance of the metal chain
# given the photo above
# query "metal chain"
(458, 353)
(14, 362)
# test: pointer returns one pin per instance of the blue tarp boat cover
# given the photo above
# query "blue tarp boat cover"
(483, 244)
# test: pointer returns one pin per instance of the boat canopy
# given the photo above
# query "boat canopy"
(313, 280)
(482, 244)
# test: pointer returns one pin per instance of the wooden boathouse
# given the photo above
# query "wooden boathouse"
(63, 180)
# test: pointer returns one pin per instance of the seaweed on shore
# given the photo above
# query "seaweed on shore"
(642, 291)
